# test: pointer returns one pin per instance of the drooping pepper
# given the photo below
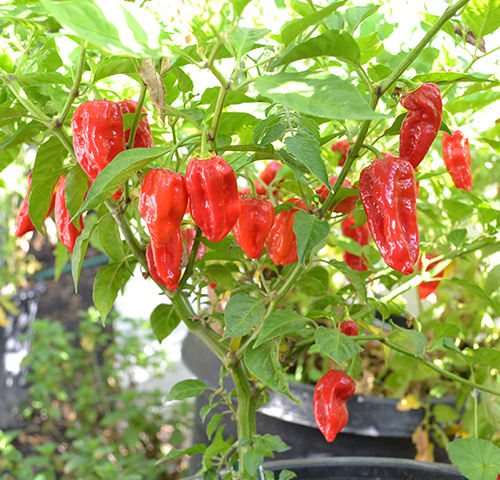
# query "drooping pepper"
(456, 155)
(421, 125)
(188, 235)
(143, 137)
(343, 148)
(213, 196)
(68, 233)
(389, 195)
(162, 203)
(426, 288)
(98, 136)
(253, 225)
(330, 396)
(349, 328)
(281, 242)
(267, 176)
(345, 206)
(361, 235)
(164, 262)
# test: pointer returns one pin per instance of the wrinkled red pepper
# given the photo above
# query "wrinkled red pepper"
(253, 225)
(343, 148)
(456, 155)
(213, 196)
(162, 203)
(281, 242)
(349, 328)
(143, 137)
(421, 125)
(164, 262)
(426, 288)
(389, 195)
(345, 206)
(188, 235)
(359, 234)
(330, 396)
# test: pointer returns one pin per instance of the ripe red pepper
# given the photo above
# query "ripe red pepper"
(213, 196)
(164, 262)
(330, 396)
(345, 206)
(267, 176)
(98, 136)
(359, 234)
(349, 328)
(188, 235)
(253, 225)
(426, 288)
(389, 195)
(162, 203)
(343, 148)
(68, 233)
(456, 155)
(143, 137)
(421, 125)
(281, 242)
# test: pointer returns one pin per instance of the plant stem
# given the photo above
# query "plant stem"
(137, 116)
(219, 106)
(192, 258)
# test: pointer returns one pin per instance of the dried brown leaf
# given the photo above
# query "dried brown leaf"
(470, 37)
(425, 449)
(156, 87)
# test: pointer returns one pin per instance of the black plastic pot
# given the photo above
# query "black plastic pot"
(375, 427)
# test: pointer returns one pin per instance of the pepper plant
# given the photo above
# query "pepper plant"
(288, 113)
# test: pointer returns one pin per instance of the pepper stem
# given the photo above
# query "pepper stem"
(204, 154)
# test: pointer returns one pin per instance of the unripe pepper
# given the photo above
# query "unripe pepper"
(343, 148)
(421, 125)
(143, 137)
(164, 262)
(267, 176)
(253, 225)
(345, 206)
(389, 195)
(162, 203)
(349, 328)
(426, 288)
(98, 136)
(456, 155)
(68, 233)
(330, 396)
(281, 242)
(359, 234)
(188, 235)
(213, 196)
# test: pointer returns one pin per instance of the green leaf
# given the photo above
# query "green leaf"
(488, 356)
(482, 17)
(79, 250)
(242, 312)
(287, 475)
(119, 170)
(186, 389)
(353, 276)
(193, 450)
(61, 259)
(442, 330)
(77, 185)
(310, 232)
(477, 459)
(108, 282)
(213, 424)
(233, 122)
(418, 339)
(43, 78)
(457, 237)
(253, 460)
(492, 284)
(370, 46)
(476, 290)
(115, 65)
(220, 275)
(336, 345)
(109, 237)
(278, 323)
(378, 72)
(318, 94)
(444, 413)
(274, 443)
(164, 319)
(23, 134)
(456, 210)
(450, 77)
(243, 39)
(350, 245)
(206, 409)
(298, 168)
(356, 15)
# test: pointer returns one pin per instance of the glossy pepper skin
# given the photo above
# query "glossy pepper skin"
(143, 137)
(162, 203)
(68, 233)
(349, 328)
(330, 396)
(456, 155)
(213, 196)
(164, 262)
(188, 235)
(343, 148)
(426, 288)
(421, 125)
(389, 194)
(253, 225)
(281, 242)
(345, 206)
(359, 234)
(98, 136)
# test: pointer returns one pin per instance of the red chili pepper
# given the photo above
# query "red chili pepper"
(162, 203)
(213, 195)
(456, 155)
(267, 176)
(143, 137)
(281, 242)
(98, 136)
(330, 396)
(343, 148)
(164, 262)
(421, 125)
(188, 235)
(359, 234)
(68, 233)
(426, 288)
(389, 195)
(345, 206)
(349, 328)
(253, 225)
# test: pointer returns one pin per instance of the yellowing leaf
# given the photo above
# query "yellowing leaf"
(410, 402)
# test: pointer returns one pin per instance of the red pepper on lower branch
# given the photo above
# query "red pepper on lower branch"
(164, 262)
(361, 235)
(68, 233)
(456, 155)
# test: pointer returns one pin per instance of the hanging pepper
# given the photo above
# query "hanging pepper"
(359, 234)
(164, 262)
(68, 233)
(421, 125)
(253, 225)
(345, 206)
(98, 136)
(389, 195)
(267, 176)
(456, 155)
(330, 396)
(281, 242)
(213, 196)
(426, 288)
(188, 235)
(162, 203)
(343, 148)
(143, 137)
(349, 328)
